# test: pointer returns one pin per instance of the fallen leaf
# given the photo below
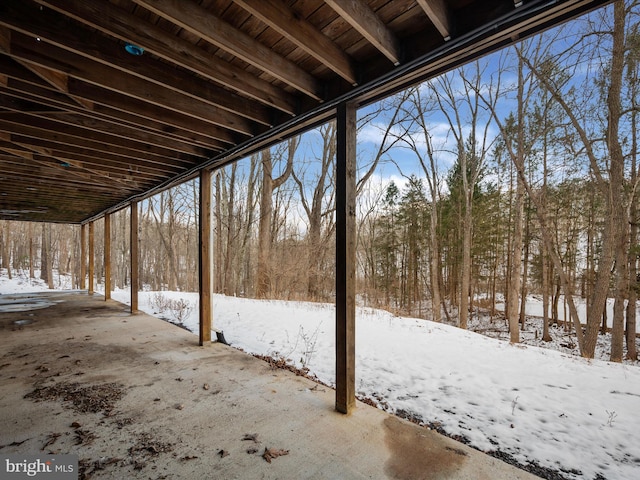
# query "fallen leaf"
(270, 453)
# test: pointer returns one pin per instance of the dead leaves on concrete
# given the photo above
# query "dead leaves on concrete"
(82, 399)
(86, 468)
(147, 446)
(270, 453)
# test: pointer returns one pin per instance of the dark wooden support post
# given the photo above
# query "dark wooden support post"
(107, 256)
(133, 253)
(83, 256)
(345, 257)
(204, 277)
(91, 258)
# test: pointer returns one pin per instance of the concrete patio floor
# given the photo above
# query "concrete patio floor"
(136, 397)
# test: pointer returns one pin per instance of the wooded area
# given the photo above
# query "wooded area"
(514, 175)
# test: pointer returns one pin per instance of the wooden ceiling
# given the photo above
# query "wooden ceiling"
(85, 126)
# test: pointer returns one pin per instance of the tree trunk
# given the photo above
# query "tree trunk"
(515, 272)
(264, 227)
(218, 254)
(434, 270)
(619, 217)
(465, 272)
(265, 233)
(228, 279)
(525, 273)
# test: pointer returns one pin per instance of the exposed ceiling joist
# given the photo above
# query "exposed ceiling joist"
(278, 16)
(54, 28)
(205, 24)
(364, 20)
(438, 13)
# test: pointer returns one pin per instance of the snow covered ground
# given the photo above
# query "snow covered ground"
(578, 417)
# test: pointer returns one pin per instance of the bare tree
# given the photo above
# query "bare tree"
(318, 204)
(416, 135)
(269, 184)
(608, 174)
(470, 127)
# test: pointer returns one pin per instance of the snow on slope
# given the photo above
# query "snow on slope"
(560, 411)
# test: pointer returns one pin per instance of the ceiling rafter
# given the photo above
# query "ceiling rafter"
(54, 182)
(360, 16)
(115, 106)
(438, 13)
(116, 136)
(65, 174)
(199, 21)
(57, 80)
(29, 93)
(112, 164)
(97, 141)
(303, 34)
(46, 55)
(94, 124)
(54, 28)
(118, 23)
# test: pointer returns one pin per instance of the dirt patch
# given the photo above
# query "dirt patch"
(82, 399)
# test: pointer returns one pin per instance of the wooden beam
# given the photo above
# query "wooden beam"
(360, 16)
(103, 163)
(345, 257)
(125, 132)
(200, 21)
(438, 13)
(50, 168)
(205, 274)
(91, 259)
(116, 22)
(107, 256)
(22, 124)
(303, 34)
(83, 256)
(108, 104)
(133, 256)
(25, 48)
(56, 80)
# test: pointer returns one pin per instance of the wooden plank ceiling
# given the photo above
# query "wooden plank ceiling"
(86, 126)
